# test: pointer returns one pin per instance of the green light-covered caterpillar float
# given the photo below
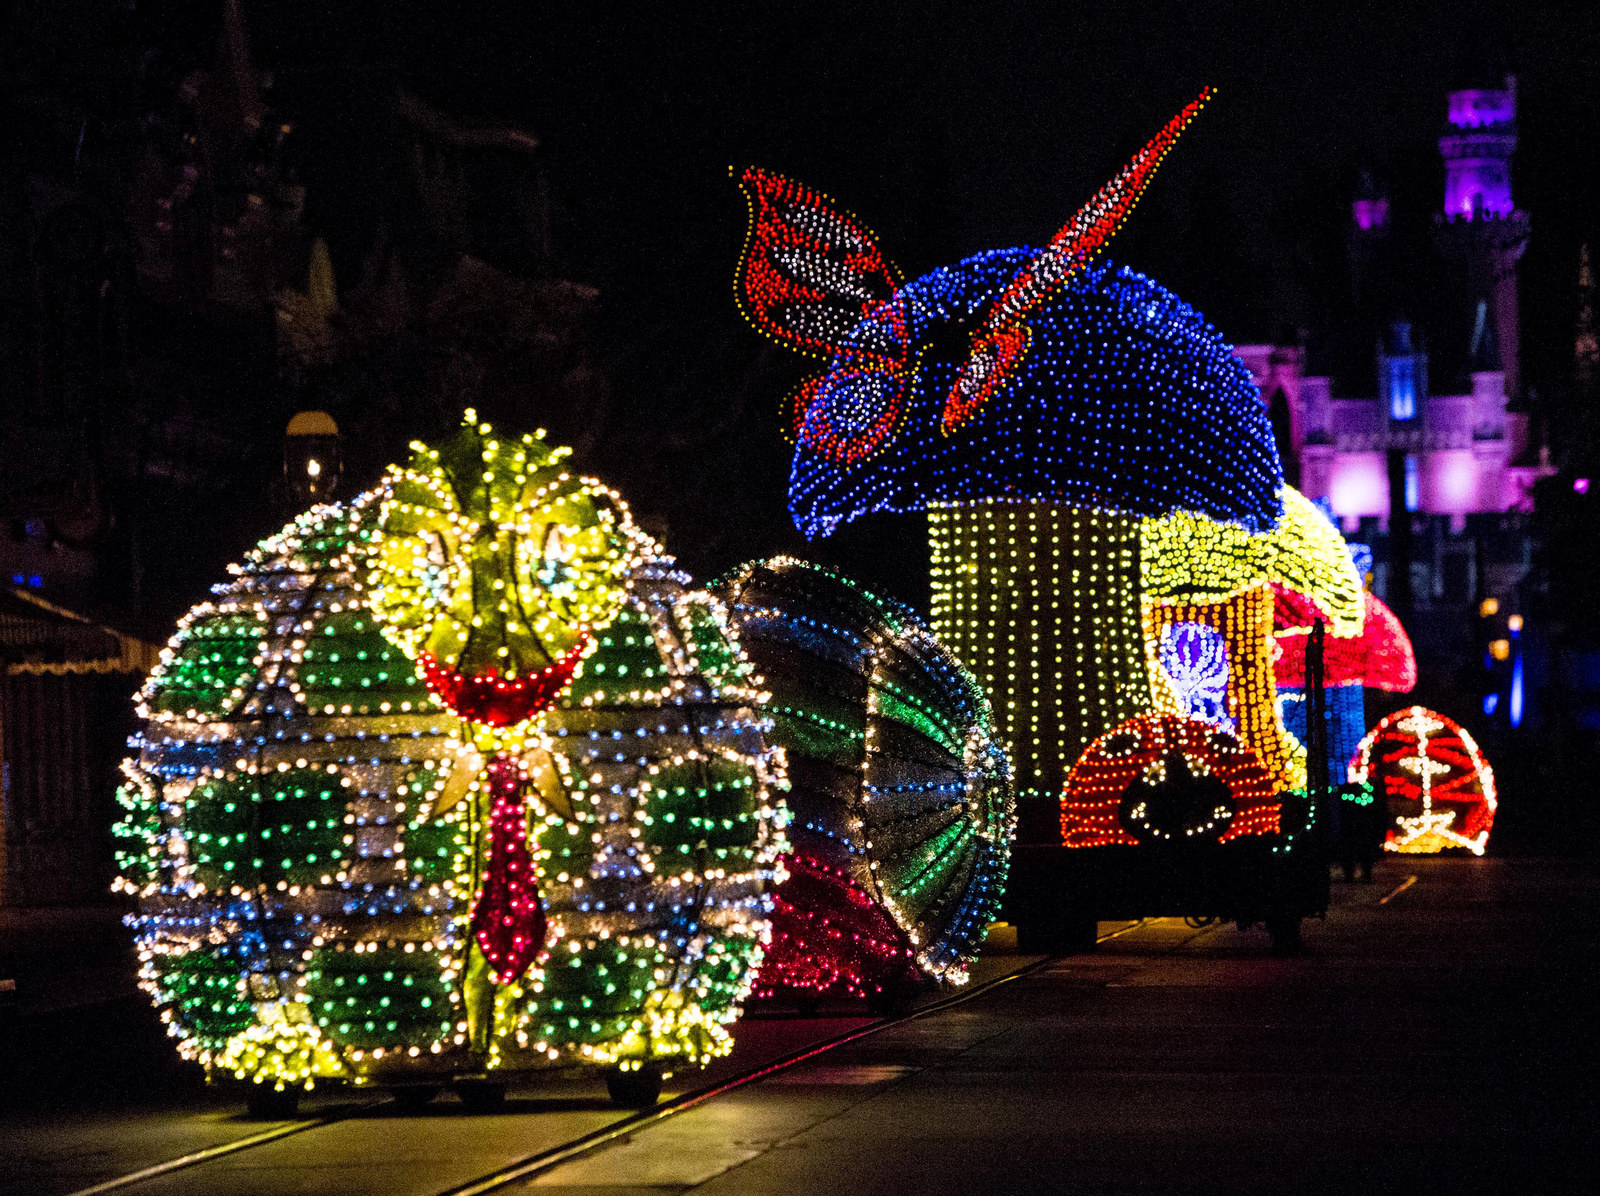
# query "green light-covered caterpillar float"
(454, 782)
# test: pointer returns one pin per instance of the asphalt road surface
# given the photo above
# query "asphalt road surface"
(1441, 1041)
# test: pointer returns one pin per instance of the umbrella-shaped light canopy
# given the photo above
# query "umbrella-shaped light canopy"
(1126, 400)
(1380, 656)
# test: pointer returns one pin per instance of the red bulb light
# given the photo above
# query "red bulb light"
(508, 921)
(489, 698)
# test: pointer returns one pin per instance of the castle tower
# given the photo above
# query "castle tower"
(1481, 226)
(1368, 244)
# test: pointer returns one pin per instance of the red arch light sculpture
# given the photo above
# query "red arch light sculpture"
(1429, 771)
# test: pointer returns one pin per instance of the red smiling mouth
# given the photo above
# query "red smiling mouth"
(492, 699)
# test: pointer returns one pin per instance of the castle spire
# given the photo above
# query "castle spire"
(1481, 226)
(1586, 345)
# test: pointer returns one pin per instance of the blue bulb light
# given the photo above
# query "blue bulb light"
(1126, 399)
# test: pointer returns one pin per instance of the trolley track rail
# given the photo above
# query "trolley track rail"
(1397, 890)
(546, 1160)
(595, 1140)
(249, 1142)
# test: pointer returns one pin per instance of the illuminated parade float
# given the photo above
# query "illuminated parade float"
(456, 781)
(1115, 554)
(1436, 788)
(465, 779)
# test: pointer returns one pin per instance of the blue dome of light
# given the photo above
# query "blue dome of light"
(1125, 400)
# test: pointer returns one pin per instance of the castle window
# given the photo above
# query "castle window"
(1413, 481)
(1402, 388)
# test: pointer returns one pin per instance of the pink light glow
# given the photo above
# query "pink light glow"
(1359, 485)
(1371, 214)
(1452, 485)
(1581, 485)
(1478, 188)
(1477, 109)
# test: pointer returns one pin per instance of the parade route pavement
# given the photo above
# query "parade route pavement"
(1439, 1041)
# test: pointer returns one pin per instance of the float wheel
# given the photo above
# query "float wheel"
(414, 1098)
(267, 1103)
(481, 1096)
(635, 1088)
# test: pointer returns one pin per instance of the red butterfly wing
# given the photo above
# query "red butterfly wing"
(813, 278)
(810, 270)
(1000, 343)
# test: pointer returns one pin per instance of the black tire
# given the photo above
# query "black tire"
(415, 1098)
(1284, 931)
(481, 1096)
(1061, 934)
(267, 1103)
(636, 1088)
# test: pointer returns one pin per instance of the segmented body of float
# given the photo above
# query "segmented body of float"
(314, 840)
(900, 797)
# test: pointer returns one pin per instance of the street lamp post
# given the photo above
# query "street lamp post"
(311, 458)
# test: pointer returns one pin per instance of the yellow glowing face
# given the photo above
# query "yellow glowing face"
(494, 560)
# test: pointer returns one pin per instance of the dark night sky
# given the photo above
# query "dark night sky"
(952, 128)
(956, 127)
(949, 128)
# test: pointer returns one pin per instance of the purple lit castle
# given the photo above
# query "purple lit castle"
(1464, 451)
(1416, 403)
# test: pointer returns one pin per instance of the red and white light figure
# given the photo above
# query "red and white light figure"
(1096, 812)
(814, 279)
(1438, 787)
